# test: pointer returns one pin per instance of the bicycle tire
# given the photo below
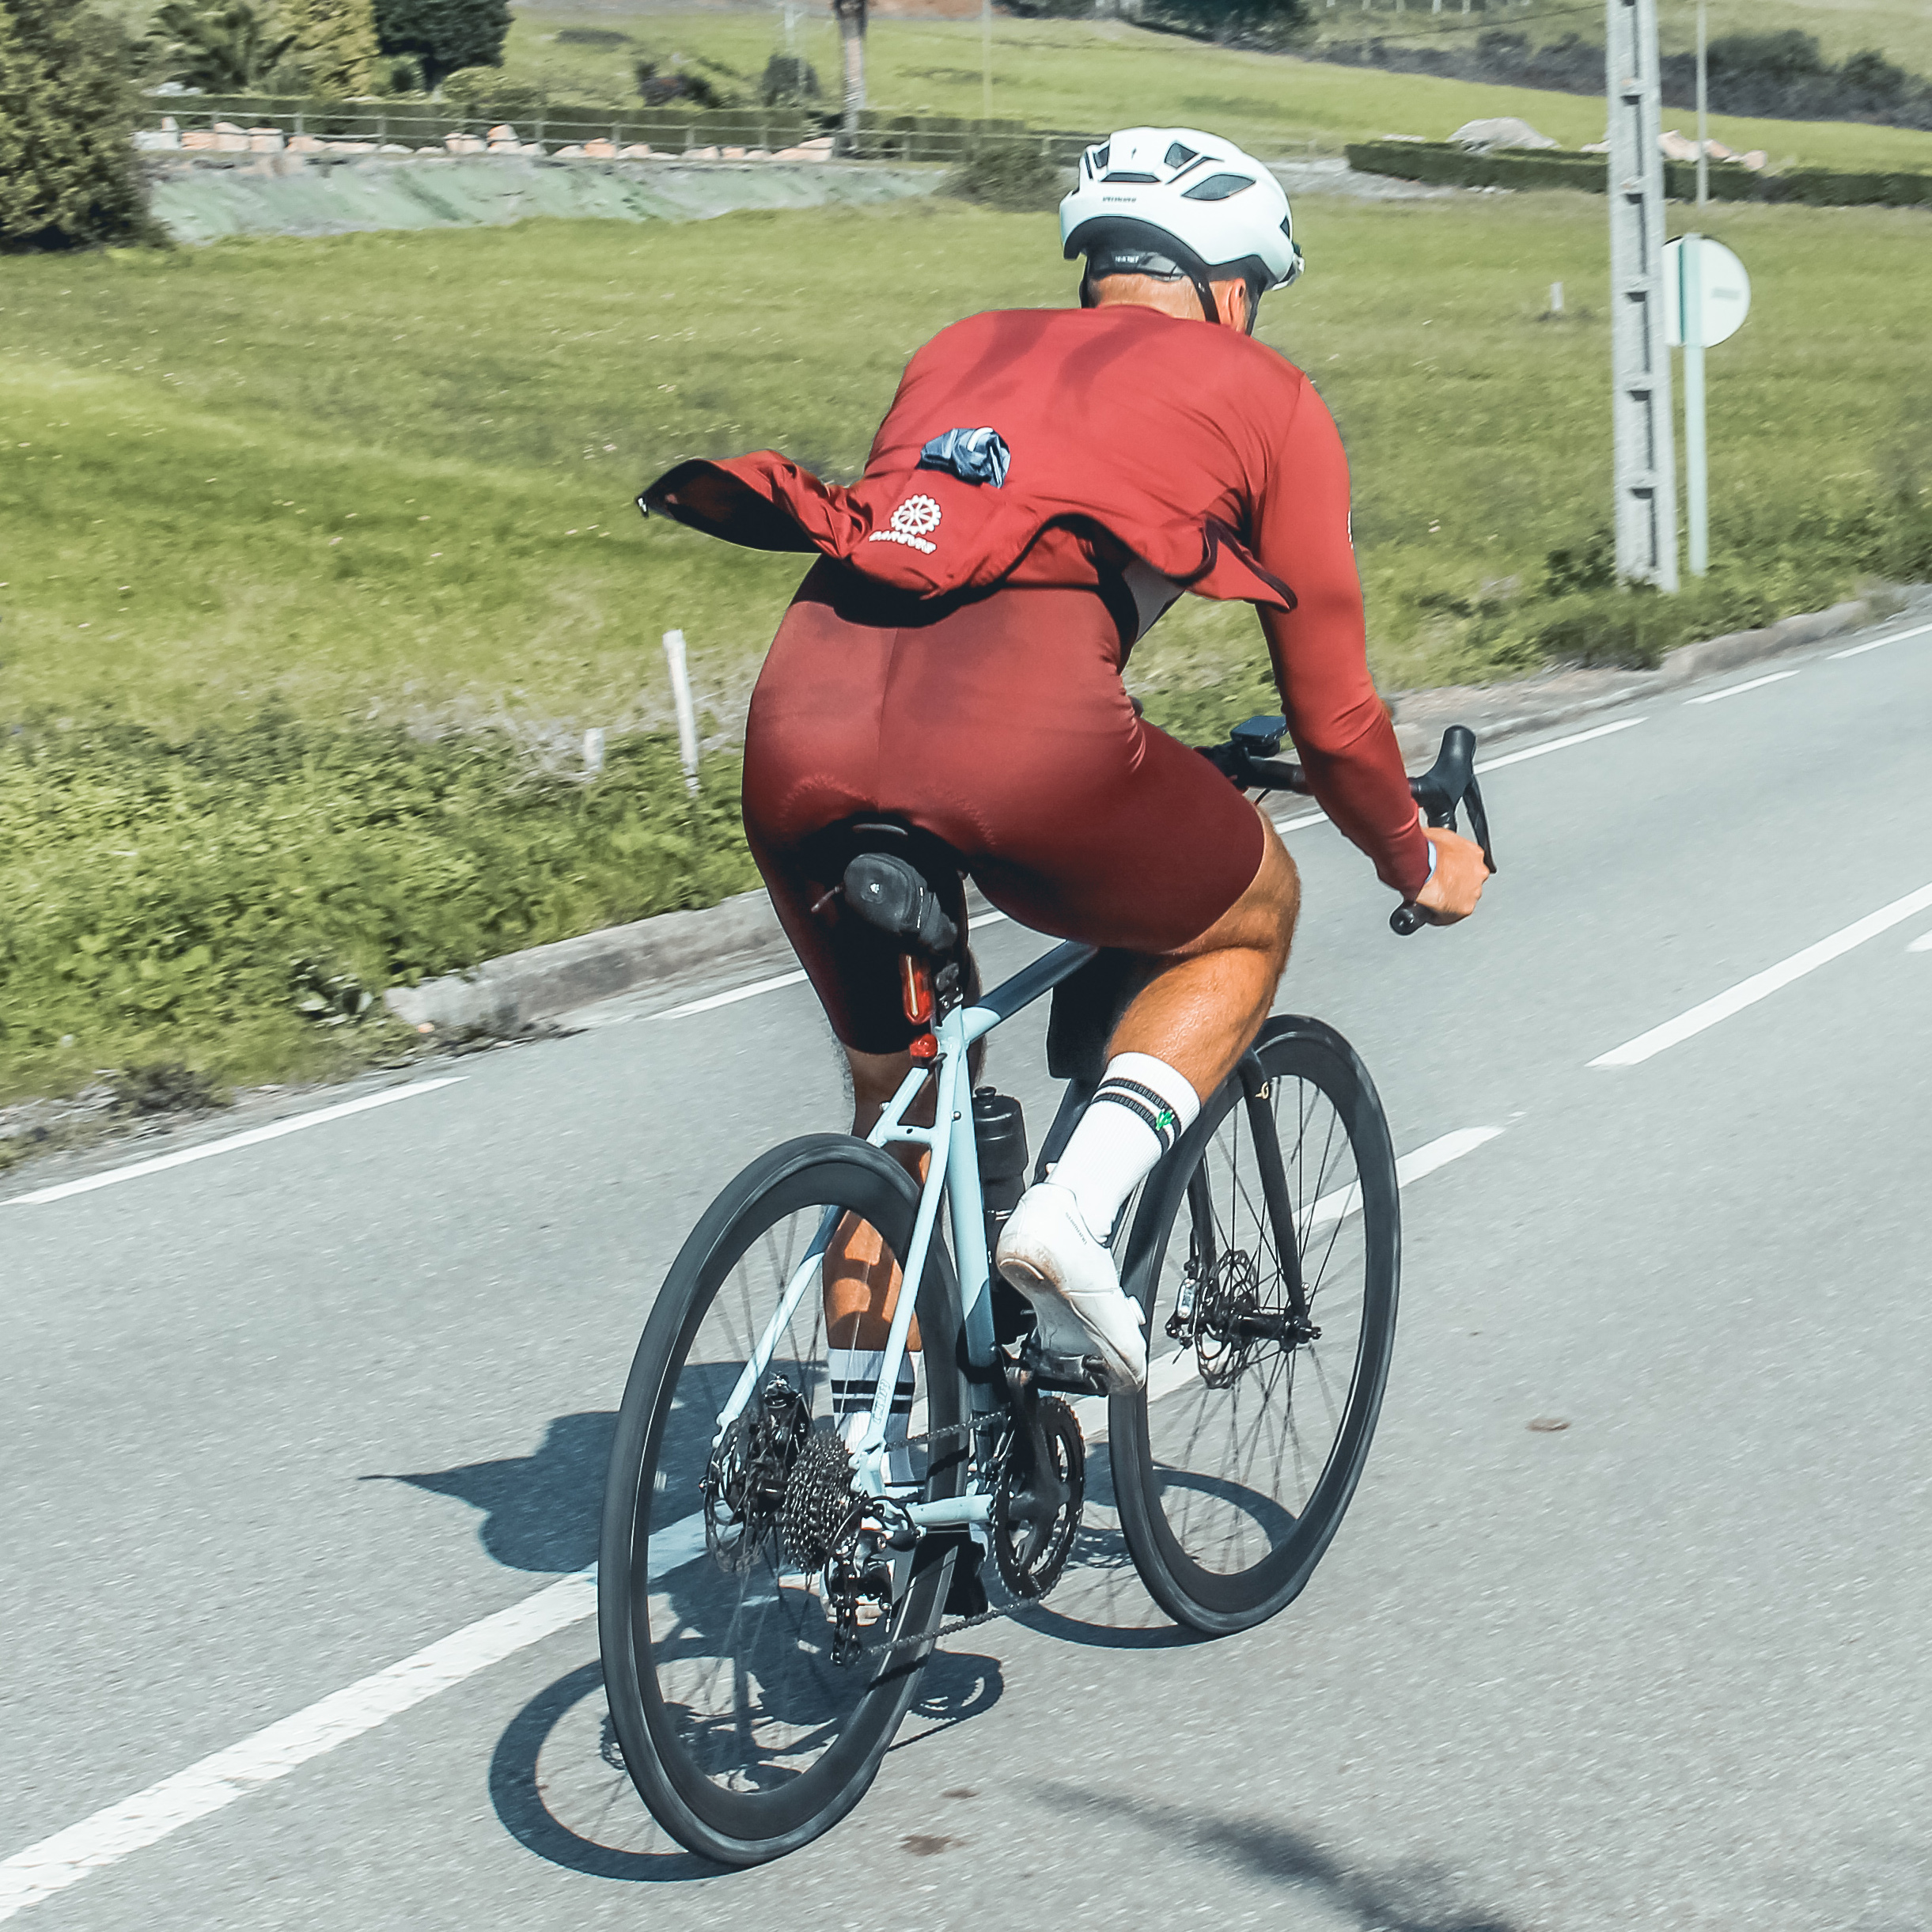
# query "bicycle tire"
(1196, 1574)
(738, 1827)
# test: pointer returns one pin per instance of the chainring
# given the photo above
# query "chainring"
(1036, 1513)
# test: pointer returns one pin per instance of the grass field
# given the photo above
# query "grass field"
(1095, 75)
(388, 476)
(383, 483)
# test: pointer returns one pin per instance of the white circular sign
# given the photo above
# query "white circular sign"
(1724, 291)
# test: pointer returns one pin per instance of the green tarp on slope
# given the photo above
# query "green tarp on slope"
(317, 194)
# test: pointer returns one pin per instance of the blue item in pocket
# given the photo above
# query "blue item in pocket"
(973, 455)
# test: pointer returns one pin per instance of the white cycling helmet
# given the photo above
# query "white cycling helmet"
(1173, 202)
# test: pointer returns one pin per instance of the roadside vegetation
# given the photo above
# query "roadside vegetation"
(319, 556)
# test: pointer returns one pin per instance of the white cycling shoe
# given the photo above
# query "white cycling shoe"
(1047, 1252)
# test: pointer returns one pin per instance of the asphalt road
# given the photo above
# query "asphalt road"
(277, 1419)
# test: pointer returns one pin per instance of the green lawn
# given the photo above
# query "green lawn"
(384, 481)
(1096, 75)
(389, 476)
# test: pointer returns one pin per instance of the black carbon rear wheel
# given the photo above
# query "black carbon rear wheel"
(744, 1730)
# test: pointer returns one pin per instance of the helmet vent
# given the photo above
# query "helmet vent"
(1216, 187)
(1123, 175)
(1100, 157)
(1177, 155)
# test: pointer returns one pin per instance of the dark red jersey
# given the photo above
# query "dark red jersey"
(1167, 454)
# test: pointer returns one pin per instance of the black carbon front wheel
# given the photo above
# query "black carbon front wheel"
(745, 1724)
(1234, 1466)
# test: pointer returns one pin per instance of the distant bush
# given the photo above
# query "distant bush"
(788, 81)
(608, 39)
(443, 35)
(1779, 76)
(232, 902)
(1271, 22)
(67, 175)
(1012, 175)
(657, 89)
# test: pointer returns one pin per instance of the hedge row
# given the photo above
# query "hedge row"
(1442, 163)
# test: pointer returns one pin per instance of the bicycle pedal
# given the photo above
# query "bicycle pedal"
(1084, 1375)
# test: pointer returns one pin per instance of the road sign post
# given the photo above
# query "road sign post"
(1696, 477)
(1707, 296)
(1645, 452)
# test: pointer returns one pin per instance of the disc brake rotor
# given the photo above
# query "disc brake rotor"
(747, 1477)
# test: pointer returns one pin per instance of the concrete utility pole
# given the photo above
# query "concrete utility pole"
(850, 15)
(1646, 464)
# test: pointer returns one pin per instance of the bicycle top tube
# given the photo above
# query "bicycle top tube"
(1013, 995)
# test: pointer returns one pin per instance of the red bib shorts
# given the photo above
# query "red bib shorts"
(996, 722)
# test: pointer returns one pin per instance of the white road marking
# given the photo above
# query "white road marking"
(1346, 1201)
(1897, 637)
(1747, 992)
(736, 993)
(1556, 744)
(1733, 690)
(254, 1137)
(1922, 944)
(1492, 764)
(147, 1817)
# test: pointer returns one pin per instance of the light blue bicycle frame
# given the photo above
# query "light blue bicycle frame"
(954, 1169)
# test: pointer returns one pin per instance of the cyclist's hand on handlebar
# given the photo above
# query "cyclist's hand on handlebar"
(1457, 881)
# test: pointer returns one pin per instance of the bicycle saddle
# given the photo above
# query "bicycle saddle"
(890, 893)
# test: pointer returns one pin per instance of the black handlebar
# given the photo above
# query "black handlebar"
(1248, 759)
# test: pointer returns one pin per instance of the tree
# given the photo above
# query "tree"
(68, 175)
(443, 35)
(851, 18)
(336, 44)
(228, 49)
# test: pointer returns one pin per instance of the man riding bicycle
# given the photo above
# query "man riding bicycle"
(1046, 483)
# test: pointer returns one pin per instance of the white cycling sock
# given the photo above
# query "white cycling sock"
(854, 1374)
(1139, 1110)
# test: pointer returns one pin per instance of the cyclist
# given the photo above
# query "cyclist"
(1046, 483)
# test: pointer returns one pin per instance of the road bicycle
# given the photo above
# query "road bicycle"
(775, 1571)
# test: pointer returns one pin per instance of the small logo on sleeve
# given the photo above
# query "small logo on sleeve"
(913, 520)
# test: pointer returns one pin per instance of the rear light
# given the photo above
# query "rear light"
(915, 989)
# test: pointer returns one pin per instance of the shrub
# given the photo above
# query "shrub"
(788, 81)
(229, 49)
(1013, 174)
(443, 35)
(67, 175)
(234, 903)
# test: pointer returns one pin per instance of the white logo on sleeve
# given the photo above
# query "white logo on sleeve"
(911, 522)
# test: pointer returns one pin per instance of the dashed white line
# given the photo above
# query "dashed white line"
(1897, 637)
(736, 993)
(253, 1137)
(1556, 744)
(1747, 992)
(1737, 690)
(147, 1817)
(1922, 944)
(118, 1831)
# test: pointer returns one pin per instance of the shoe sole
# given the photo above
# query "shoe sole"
(1123, 1376)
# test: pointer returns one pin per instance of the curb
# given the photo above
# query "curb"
(507, 995)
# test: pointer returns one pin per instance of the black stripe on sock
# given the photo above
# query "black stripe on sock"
(1145, 1104)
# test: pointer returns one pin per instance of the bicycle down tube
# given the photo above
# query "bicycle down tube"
(956, 1164)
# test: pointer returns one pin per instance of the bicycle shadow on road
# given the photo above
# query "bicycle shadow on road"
(541, 1511)
(1413, 1896)
(558, 1785)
